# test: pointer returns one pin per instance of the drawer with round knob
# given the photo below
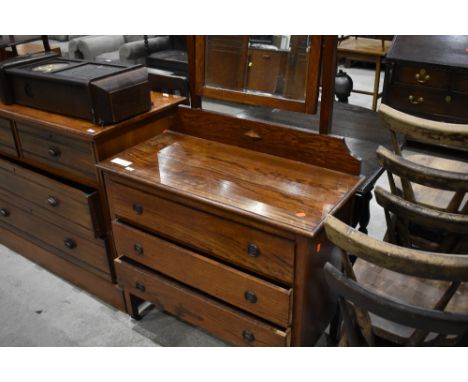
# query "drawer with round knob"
(250, 293)
(265, 254)
(222, 320)
(58, 152)
(79, 206)
(17, 216)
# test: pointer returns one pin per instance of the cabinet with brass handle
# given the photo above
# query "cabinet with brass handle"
(415, 100)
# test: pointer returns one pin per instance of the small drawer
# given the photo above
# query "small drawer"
(7, 140)
(244, 291)
(423, 76)
(57, 150)
(77, 205)
(418, 100)
(219, 319)
(249, 248)
(91, 252)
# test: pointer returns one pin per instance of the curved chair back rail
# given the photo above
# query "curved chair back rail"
(411, 262)
(446, 221)
(438, 133)
(426, 176)
(415, 317)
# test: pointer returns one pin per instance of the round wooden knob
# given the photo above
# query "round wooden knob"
(248, 336)
(53, 202)
(253, 250)
(138, 208)
(138, 248)
(250, 297)
(54, 152)
(4, 212)
(70, 243)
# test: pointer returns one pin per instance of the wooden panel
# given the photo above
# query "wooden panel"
(70, 203)
(75, 274)
(266, 299)
(282, 141)
(264, 70)
(7, 140)
(220, 320)
(460, 82)
(68, 242)
(57, 150)
(210, 234)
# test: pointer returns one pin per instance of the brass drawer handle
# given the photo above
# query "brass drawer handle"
(53, 202)
(422, 77)
(248, 336)
(448, 99)
(138, 248)
(54, 152)
(138, 208)
(414, 100)
(250, 297)
(253, 250)
(70, 243)
(140, 286)
(4, 212)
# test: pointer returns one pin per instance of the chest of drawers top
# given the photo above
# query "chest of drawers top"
(288, 194)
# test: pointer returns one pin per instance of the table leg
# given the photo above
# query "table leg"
(132, 303)
(376, 84)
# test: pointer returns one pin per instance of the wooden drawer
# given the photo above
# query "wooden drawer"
(76, 205)
(422, 76)
(460, 82)
(57, 150)
(67, 242)
(423, 101)
(7, 140)
(259, 297)
(244, 246)
(197, 309)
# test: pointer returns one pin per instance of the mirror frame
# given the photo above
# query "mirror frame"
(308, 105)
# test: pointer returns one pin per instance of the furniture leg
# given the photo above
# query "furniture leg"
(132, 303)
(363, 210)
(376, 84)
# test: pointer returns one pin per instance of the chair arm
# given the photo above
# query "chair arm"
(132, 53)
(96, 45)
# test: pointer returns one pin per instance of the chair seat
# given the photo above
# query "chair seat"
(411, 290)
(171, 59)
(365, 46)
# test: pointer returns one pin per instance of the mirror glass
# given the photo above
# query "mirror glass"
(274, 65)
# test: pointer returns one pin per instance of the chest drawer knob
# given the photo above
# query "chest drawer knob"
(54, 152)
(250, 297)
(138, 208)
(248, 336)
(253, 250)
(448, 99)
(70, 243)
(422, 77)
(415, 100)
(140, 286)
(4, 212)
(138, 248)
(53, 202)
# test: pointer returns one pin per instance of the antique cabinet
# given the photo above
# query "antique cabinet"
(427, 76)
(53, 208)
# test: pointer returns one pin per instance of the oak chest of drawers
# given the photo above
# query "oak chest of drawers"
(427, 76)
(52, 204)
(224, 237)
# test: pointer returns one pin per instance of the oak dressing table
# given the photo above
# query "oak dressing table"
(218, 220)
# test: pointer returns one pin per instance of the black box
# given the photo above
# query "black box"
(100, 92)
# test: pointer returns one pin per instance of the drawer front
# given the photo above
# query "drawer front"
(77, 206)
(460, 82)
(246, 247)
(418, 100)
(423, 76)
(210, 315)
(7, 140)
(65, 241)
(258, 297)
(57, 150)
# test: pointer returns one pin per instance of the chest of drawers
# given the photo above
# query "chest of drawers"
(427, 76)
(52, 205)
(224, 237)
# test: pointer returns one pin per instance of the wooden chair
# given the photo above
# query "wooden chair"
(446, 232)
(455, 184)
(436, 133)
(403, 297)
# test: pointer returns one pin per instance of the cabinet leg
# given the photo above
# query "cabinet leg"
(132, 303)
